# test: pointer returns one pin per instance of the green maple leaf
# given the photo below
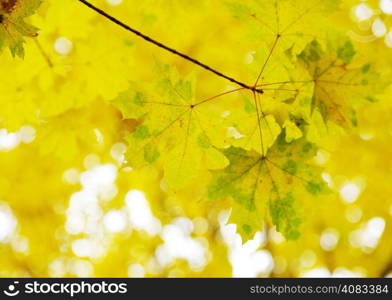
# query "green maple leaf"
(340, 83)
(277, 182)
(13, 27)
(172, 130)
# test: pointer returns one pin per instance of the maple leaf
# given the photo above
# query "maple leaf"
(281, 26)
(277, 182)
(172, 128)
(341, 83)
(13, 27)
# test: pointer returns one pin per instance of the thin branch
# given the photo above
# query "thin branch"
(217, 96)
(338, 82)
(169, 49)
(43, 53)
(268, 58)
(285, 82)
(259, 124)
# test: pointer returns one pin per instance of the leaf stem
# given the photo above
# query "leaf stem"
(169, 49)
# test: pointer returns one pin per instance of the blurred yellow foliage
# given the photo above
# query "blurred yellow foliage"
(75, 199)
